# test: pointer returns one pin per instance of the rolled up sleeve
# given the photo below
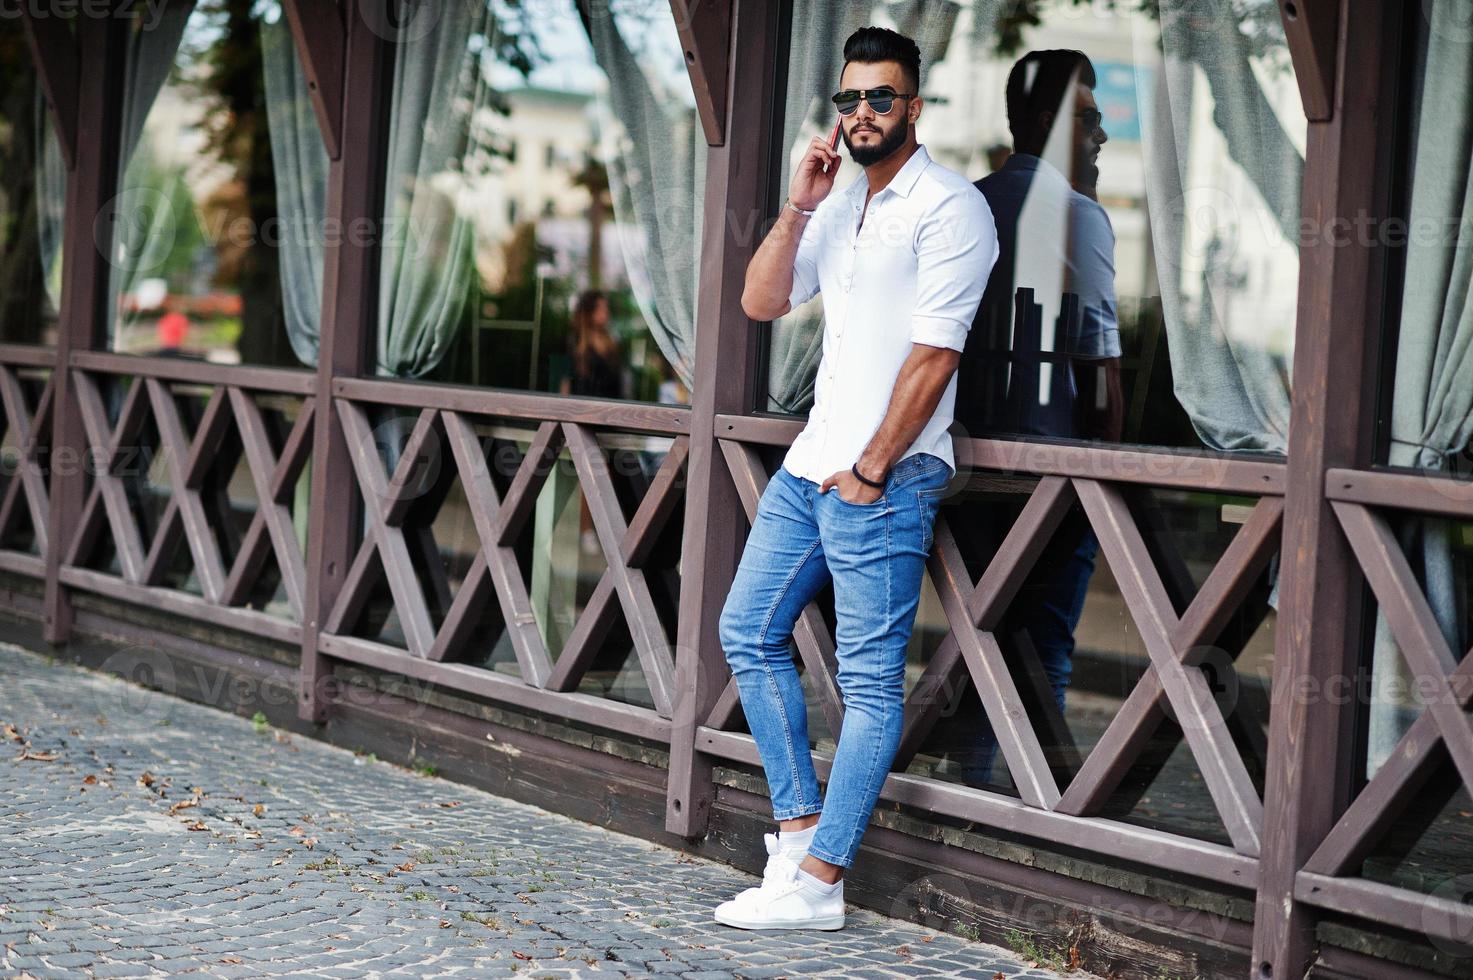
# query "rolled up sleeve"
(805, 265)
(956, 247)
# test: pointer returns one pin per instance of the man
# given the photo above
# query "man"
(1043, 357)
(901, 257)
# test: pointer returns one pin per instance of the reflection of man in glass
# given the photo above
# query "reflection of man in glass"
(1043, 357)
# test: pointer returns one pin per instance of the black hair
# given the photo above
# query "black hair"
(872, 44)
(1051, 80)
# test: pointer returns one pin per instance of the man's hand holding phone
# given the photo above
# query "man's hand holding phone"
(816, 172)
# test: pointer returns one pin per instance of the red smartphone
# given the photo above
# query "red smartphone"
(833, 141)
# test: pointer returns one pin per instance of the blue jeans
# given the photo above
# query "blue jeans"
(875, 555)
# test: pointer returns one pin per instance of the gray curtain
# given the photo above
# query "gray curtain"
(300, 163)
(143, 233)
(654, 149)
(796, 343)
(1234, 389)
(428, 271)
(1432, 404)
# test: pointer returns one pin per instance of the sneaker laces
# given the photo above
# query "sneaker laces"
(780, 876)
(776, 846)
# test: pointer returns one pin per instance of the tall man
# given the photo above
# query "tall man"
(901, 256)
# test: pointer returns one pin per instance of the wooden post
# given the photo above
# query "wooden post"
(1310, 759)
(737, 191)
(355, 195)
(92, 186)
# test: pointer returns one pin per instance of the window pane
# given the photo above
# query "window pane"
(1430, 420)
(546, 171)
(1075, 655)
(1427, 423)
(32, 199)
(1147, 203)
(212, 171)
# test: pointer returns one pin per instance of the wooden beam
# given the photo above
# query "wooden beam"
(92, 187)
(355, 196)
(1123, 841)
(1154, 467)
(1436, 916)
(1311, 764)
(1312, 28)
(583, 708)
(704, 27)
(321, 35)
(738, 194)
(1426, 493)
(56, 55)
(527, 405)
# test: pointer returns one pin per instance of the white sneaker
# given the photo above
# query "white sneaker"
(784, 900)
(775, 846)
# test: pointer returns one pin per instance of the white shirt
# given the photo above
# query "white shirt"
(913, 272)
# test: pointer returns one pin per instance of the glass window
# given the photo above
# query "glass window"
(1143, 166)
(221, 152)
(1428, 404)
(32, 198)
(1429, 422)
(1425, 845)
(572, 265)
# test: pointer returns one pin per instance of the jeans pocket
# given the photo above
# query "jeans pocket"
(877, 502)
(920, 469)
(928, 503)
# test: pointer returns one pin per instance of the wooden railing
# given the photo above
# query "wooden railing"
(454, 418)
(26, 395)
(1442, 731)
(971, 651)
(197, 515)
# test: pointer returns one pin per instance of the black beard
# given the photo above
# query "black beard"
(868, 156)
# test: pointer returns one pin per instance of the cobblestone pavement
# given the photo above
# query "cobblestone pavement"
(145, 835)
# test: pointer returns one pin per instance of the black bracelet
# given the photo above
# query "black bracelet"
(866, 480)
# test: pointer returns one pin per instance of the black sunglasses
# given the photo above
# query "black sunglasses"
(1091, 118)
(879, 99)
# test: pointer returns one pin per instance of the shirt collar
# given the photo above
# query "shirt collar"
(905, 178)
